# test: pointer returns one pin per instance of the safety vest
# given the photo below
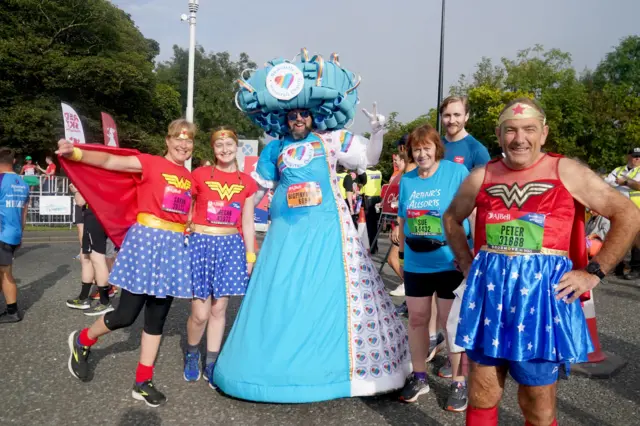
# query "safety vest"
(373, 187)
(633, 195)
(341, 177)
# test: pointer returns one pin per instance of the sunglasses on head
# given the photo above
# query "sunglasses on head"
(293, 115)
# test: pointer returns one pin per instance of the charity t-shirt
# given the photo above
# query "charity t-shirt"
(468, 151)
(220, 196)
(422, 203)
(14, 196)
(165, 189)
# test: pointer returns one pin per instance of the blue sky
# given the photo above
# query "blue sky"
(393, 45)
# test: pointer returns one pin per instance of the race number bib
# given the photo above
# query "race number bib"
(424, 222)
(220, 213)
(176, 200)
(306, 194)
(520, 232)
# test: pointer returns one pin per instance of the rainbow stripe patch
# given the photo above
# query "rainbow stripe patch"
(346, 138)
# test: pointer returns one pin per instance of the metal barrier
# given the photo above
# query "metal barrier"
(51, 203)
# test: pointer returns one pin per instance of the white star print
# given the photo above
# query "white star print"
(558, 267)
(538, 276)
(513, 309)
(529, 346)
(472, 305)
(466, 339)
(548, 329)
(504, 272)
(524, 291)
(459, 320)
(553, 351)
(491, 287)
(487, 321)
(527, 257)
(532, 310)
(514, 275)
(521, 328)
(500, 307)
(495, 342)
(557, 319)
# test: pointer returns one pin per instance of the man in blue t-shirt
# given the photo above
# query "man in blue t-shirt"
(14, 201)
(460, 147)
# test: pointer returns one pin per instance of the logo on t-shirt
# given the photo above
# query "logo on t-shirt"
(516, 195)
(178, 182)
(458, 159)
(225, 191)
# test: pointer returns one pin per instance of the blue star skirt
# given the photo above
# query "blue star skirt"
(509, 310)
(218, 265)
(153, 262)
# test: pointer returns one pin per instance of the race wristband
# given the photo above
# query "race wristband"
(76, 155)
(401, 262)
(251, 257)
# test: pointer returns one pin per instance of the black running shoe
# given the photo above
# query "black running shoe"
(148, 393)
(413, 389)
(78, 359)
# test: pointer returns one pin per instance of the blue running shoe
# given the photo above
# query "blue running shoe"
(208, 371)
(192, 366)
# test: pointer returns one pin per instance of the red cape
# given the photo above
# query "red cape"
(112, 195)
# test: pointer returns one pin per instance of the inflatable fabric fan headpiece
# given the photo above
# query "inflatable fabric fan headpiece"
(322, 87)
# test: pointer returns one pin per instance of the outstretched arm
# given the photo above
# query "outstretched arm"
(357, 153)
(462, 206)
(104, 160)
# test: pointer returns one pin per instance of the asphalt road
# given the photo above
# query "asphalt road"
(37, 389)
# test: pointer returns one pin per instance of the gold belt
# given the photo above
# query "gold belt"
(213, 230)
(147, 219)
(543, 250)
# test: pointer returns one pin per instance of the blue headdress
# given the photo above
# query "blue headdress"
(322, 87)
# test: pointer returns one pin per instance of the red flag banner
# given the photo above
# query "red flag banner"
(109, 130)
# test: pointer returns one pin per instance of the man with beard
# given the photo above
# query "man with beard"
(460, 147)
(315, 323)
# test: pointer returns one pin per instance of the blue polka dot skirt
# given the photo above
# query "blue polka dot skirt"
(218, 265)
(154, 262)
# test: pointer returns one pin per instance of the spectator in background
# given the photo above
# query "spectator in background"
(28, 169)
(596, 229)
(460, 147)
(49, 172)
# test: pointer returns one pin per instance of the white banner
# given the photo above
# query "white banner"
(55, 205)
(73, 131)
(246, 148)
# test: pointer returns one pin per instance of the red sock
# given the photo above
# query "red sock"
(84, 338)
(482, 416)
(144, 373)
(555, 423)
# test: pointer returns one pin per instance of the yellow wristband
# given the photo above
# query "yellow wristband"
(401, 261)
(76, 155)
(251, 257)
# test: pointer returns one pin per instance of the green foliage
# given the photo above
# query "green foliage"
(89, 53)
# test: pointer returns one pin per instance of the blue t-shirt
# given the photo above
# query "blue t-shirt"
(14, 195)
(468, 151)
(422, 203)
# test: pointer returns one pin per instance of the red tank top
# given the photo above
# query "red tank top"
(529, 211)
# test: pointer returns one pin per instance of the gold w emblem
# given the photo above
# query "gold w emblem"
(225, 191)
(517, 195)
(180, 183)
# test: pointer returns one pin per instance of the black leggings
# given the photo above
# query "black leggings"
(155, 313)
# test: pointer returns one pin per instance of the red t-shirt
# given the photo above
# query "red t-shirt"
(220, 196)
(51, 170)
(164, 189)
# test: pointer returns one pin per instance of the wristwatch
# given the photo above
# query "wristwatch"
(594, 269)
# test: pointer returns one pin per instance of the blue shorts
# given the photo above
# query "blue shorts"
(534, 372)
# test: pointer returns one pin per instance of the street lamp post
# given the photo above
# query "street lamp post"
(440, 72)
(193, 8)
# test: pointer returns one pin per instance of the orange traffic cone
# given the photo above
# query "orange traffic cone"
(600, 364)
(362, 230)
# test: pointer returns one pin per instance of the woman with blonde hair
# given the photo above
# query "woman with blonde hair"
(153, 266)
(221, 260)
